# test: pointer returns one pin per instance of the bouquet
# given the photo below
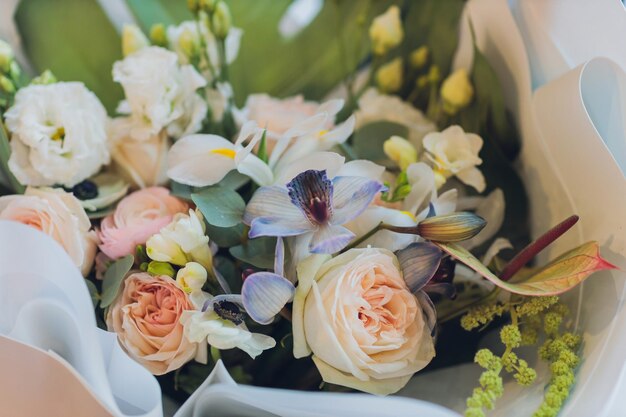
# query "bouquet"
(336, 245)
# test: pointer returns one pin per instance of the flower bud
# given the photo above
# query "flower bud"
(389, 76)
(221, 21)
(133, 39)
(160, 268)
(456, 91)
(193, 6)
(207, 5)
(6, 56)
(191, 277)
(158, 35)
(163, 249)
(453, 227)
(46, 77)
(400, 151)
(419, 57)
(189, 43)
(386, 31)
(6, 85)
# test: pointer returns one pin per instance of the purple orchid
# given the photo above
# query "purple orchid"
(312, 206)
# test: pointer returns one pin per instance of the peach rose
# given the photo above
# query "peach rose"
(58, 214)
(354, 312)
(146, 317)
(137, 217)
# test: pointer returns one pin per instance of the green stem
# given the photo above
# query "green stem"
(463, 309)
(363, 238)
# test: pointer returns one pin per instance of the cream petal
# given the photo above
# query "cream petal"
(473, 177)
(191, 162)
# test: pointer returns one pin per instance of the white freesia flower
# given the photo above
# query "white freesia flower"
(58, 134)
(160, 94)
(376, 107)
(223, 334)
(455, 153)
(192, 277)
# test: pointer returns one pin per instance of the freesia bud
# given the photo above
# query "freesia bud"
(453, 227)
(133, 39)
(158, 35)
(389, 76)
(221, 21)
(191, 277)
(456, 91)
(160, 268)
(6, 56)
(386, 31)
(400, 151)
(163, 249)
(419, 57)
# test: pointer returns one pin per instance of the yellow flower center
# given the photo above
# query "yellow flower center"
(322, 133)
(230, 153)
(59, 134)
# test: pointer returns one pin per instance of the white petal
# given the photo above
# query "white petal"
(257, 170)
(473, 177)
(362, 168)
(329, 161)
(192, 162)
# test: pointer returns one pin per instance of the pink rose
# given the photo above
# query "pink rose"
(59, 215)
(146, 318)
(137, 217)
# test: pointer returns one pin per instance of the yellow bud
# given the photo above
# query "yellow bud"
(158, 35)
(389, 76)
(386, 31)
(400, 151)
(434, 74)
(456, 91)
(133, 39)
(193, 6)
(160, 268)
(221, 21)
(419, 57)
(6, 56)
(422, 81)
(207, 5)
(453, 227)
(191, 277)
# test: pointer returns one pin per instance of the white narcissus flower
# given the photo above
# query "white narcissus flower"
(58, 134)
(57, 214)
(455, 153)
(377, 107)
(224, 334)
(160, 93)
(386, 31)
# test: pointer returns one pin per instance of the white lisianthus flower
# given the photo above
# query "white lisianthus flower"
(223, 334)
(455, 153)
(376, 107)
(58, 134)
(160, 93)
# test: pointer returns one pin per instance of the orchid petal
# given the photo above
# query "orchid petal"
(330, 239)
(279, 258)
(444, 288)
(331, 162)
(453, 227)
(191, 160)
(312, 192)
(429, 310)
(253, 167)
(271, 213)
(264, 294)
(419, 262)
(231, 298)
(351, 197)
(362, 168)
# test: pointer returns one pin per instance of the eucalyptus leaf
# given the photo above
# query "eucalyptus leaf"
(113, 278)
(225, 237)
(257, 252)
(221, 206)
(93, 292)
(368, 141)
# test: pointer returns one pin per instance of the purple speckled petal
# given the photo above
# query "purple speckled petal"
(264, 294)
(419, 262)
(351, 197)
(329, 239)
(312, 192)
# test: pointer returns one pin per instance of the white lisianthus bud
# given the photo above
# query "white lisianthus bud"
(163, 249)
(386, 31)
(221, 21)
(400, 151)
(389, 76)
(133, 39)
(192, 277)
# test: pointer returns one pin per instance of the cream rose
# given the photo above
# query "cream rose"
(146, 317)
(354, 312)
(58, 214)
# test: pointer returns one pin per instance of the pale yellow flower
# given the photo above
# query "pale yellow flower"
(389, 76)
(400, 151)
(133, 39)
(386, 31)
(419, 57)
(456, 91)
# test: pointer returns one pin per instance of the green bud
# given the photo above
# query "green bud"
(158, 35)
(419, 57)
(221, 20)
(6, 85)
(402, 191)
(207, 5)
(160, 268)
(46, 77)
(14, 70)
(193, 6)
(6, 56)
(453, 227)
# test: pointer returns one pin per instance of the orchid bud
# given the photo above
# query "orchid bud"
(6, 56)
(191, 277)
(400, 151)
(419, 57)
(221, 21)
(158, 35)
(160, 268)
(456, 91)
(386, 31)
(389, 76)
(453, 227)
(133, 39)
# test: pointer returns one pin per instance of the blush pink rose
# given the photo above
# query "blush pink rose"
(354, 312)
(146, 317)
(137, 217)
(59, 215)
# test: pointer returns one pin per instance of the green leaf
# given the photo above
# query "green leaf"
(368, 141)
(93, 292)
(234, 180)
(559, 276)
(221, 207)
(229, 271)
(225, 237)
(113, 278)
(257, 252)
(5, 154)
(75, 40)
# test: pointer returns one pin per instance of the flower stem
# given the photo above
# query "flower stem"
(530, 251)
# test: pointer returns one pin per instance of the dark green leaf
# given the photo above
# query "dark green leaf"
(368, 141)
(257, 252)
(93, 292)
(225, 237)
(75, 40)
(234, 180)
(229, 271)
(113, 278)
(221, 206)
